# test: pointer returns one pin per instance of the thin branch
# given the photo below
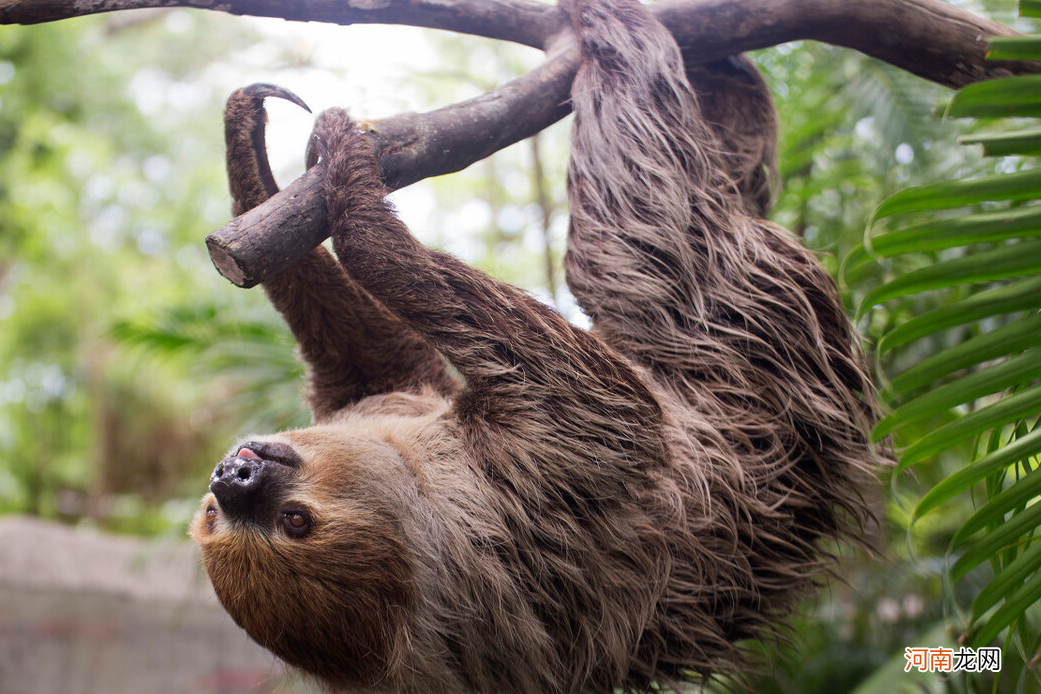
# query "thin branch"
(521, 21)
(928, 38)
(133, 20)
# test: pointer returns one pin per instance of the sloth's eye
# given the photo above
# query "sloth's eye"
(211, 516)
(296, 522)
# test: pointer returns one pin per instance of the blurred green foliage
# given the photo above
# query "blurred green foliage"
(127, 365)
(109, 179)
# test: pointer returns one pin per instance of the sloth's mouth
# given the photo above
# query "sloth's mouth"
(269, 452)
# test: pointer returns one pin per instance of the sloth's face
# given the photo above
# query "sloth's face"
(301, 537)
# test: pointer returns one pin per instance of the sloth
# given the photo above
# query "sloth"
(491, 499)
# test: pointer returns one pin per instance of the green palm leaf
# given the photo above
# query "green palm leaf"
(940, 196)
(1008, 339)
(1015, 48)
(999, 377)
(1007, 298)
(1004, 262)
(993, 511)
(253, 357)
(963, 376)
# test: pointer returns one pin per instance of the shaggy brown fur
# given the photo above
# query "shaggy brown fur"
(594, 510)
(739, 110)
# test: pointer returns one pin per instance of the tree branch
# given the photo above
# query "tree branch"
(409, 147)
(522, 21)
(928, 38)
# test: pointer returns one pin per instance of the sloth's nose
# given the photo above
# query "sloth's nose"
(240, 485)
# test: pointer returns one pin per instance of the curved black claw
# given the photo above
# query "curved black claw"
(264, 90)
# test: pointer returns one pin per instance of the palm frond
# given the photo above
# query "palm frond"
(971, 363)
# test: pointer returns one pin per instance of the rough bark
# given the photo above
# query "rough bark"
(929, 38)
(522, 21)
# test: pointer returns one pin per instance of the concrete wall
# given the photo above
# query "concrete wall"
(86, 613)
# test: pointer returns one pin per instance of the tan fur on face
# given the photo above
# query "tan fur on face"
(335, 602)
